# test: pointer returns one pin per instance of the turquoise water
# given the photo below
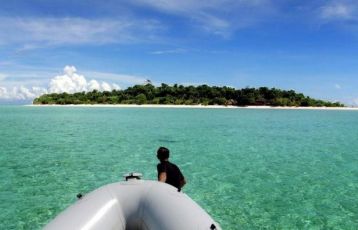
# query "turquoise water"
(250, 169)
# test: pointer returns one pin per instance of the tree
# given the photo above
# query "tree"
(179, 94)
(141, 99)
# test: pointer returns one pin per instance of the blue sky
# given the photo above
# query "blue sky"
(308, 46)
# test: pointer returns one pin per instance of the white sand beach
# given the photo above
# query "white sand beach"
(197, 106)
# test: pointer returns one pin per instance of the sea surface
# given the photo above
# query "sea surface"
(248, 168)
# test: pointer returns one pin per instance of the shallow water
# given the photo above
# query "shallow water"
(250, 169)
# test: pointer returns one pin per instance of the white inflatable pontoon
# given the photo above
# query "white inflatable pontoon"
(134, 204)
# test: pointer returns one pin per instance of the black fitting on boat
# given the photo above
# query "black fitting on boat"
(133, 175)
(213, 227)
(79, 196)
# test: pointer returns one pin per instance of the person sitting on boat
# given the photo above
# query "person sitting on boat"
(167, 171)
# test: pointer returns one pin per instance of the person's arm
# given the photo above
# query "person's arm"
(162, 177)
(162, 173)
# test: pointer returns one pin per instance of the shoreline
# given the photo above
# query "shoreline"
(194, 106)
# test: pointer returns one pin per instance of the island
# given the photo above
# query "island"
(187, 95)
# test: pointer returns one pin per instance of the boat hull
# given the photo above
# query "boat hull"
(134, 204)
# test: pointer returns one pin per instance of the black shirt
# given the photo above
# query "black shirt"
(174, 176)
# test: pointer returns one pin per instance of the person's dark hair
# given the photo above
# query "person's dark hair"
(163, 153)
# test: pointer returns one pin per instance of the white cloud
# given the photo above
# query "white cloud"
(337, 10)
(355, 102)
(69, 82)
(2, 76)
(72, 82)
(93, 84)
(58, 31)
(337, 86)
(215, 25)
(115, 86)
(219, 17)
(172, 51)
(194, 5)
(106, 87)
(123, 79)
(21, 93)
(3, 93)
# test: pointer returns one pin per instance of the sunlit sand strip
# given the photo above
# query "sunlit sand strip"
(300, 108)
(200, 107)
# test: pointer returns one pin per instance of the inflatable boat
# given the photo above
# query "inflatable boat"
(134, 204)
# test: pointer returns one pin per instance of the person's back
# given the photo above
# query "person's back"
(167, 171)
(174, 176)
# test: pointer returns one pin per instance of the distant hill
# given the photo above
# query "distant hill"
(188, 95)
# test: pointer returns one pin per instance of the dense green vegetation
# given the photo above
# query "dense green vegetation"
(187, 95)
